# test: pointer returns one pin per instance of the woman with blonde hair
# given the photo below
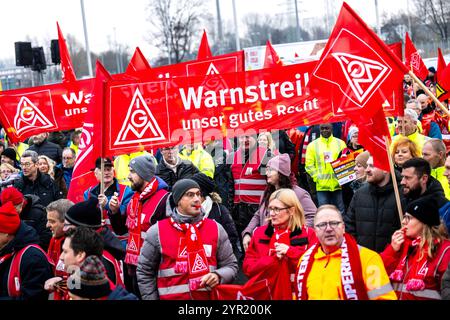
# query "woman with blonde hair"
(419, 252)
(285, 237)
(265, 140)
(7, 175)
(404, 149)
(48, 166)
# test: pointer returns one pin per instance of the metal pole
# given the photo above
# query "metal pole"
(88, 52)
(117, 51)
(409, 18)
(297, 21)
(378, 18)
(219, 27)
(236, 30)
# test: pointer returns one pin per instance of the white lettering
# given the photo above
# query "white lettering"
(191, 97)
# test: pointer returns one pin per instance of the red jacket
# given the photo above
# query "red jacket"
(433, 273)
(257, 255)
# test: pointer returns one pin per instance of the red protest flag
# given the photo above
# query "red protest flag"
(91, 140)
(396, 48)
(440, 64)
(363, 68)
(204, 51)
(413, 60)
(68, 74)
(137, 63)
(271, 59)
(443, 84)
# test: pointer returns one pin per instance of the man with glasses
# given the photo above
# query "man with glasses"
(34, 182)
(186, 255)
(336, 268)
(372, 216)
(172, 168)
(68, 162)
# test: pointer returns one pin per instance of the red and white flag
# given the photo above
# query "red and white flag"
(68, 74)
(271, 59)
(413, 60)
(137, 63)
(359, 70)
(91, 140)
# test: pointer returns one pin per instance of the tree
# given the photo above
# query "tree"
(435, 14)
(395, 26)
(78, 55)
(175, 23)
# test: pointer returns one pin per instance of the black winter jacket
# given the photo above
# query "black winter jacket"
(44, 187)
(372, 216)
(34, 214)
(49, 149)
(185, 170)
(435, 190)
(34, 267)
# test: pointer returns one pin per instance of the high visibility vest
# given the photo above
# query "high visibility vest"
(416, 137)
(121, 166)
(319, 154)
(249, 184)
(201, 159)
(438, 174)
(173, 285)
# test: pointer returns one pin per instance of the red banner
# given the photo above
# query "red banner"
(413, 60)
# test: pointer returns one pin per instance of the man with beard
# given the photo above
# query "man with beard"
(417, 182)
(146, 207)
(44, 147)
(372, 216)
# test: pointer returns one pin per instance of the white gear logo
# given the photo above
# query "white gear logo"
(29, 117)
(140, 125)
(86, 146)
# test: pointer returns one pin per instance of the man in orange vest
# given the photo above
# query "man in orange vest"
(186, 255)
(24, 266)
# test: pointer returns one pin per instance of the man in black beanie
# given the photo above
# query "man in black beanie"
(88, 214)
(193, 246)
(147, 206)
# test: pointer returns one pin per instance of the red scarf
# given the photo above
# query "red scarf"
(134, 221)
(350, 270)
(54, 248)
(418, 268)
(192, 260)
(279, 236)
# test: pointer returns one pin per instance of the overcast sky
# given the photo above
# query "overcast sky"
(37, 19)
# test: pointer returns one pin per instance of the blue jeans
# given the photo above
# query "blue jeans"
(331, 197)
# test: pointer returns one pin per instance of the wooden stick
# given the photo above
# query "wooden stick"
(102, 173)
(394, 180)
(429, 93)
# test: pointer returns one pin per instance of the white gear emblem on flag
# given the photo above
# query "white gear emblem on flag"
(241, 296)
(86, 145)
(29, 117)
(362, 74)
(139, 121)
(199, 264)
(415, 60)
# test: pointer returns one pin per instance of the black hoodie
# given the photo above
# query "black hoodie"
(34, 215)
(34, 267)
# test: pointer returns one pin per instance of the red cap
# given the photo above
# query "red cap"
(11, 194)
(9, 219)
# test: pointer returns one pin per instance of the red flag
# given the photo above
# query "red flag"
(296, 55)
(68, 74)
(204, 51)
(443, 84)
(272, 59)
(396, 48)
(440, 64)
(90, 145)
(413, 60)
(137, 63)
(357, 68)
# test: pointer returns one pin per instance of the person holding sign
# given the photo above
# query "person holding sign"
(319, 154)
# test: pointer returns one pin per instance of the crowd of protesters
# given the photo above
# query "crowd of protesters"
(188, 221)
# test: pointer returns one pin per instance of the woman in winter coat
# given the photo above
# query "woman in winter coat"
(285, 237)
(48, 166)
(419, 253)
(278, 172)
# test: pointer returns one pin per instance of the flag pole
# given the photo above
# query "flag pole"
(429, 93)
(394, 180)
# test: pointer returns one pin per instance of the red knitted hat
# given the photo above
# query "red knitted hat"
(9, 219)
(11, 194)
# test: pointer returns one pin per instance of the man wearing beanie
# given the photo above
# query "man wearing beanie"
(185, 254)
(147, 206)
(9, 156)
(419, 253)
(24, 267)
(172, 168)
(30, 211)
(115, 198)
(92, 283)
(88, 214)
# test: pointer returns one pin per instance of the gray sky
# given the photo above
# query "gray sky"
(37, 19)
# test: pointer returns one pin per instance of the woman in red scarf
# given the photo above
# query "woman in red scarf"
(419, 254)
(285, 237)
